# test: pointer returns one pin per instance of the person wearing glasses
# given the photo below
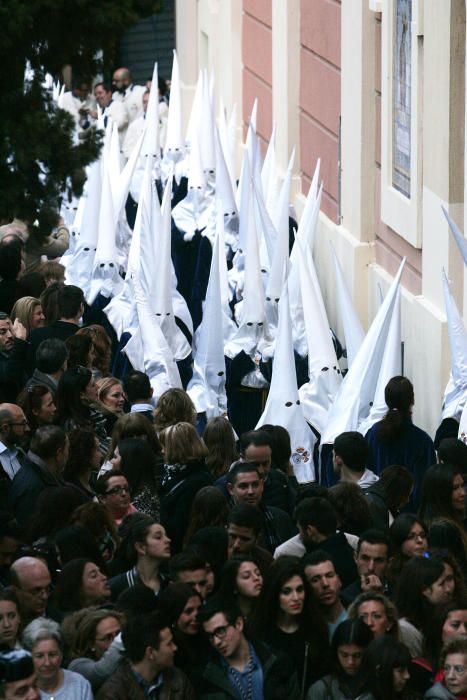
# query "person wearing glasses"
(30, 580)
(452, 683)
(114, 492)
(42, 469)
(236, 666)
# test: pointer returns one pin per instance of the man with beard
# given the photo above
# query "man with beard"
(13, 431)
(13, 353)
(131, 95)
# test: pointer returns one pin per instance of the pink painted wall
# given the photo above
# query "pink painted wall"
(319, 101)
(390, 248)
(257, 64)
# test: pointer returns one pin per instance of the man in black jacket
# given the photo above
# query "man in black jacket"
(13, 353)
(42, 469)
(238, 667)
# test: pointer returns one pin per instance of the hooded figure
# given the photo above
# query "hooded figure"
(317, 395)
(455, 394)
(207, 386)
(353, 330)
(356, 395)
(459, 238)
(283, 405)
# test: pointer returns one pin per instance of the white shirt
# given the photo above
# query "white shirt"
(132, 98)
(9, 460)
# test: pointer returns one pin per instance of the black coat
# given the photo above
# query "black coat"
(177, 495)
(26, 488)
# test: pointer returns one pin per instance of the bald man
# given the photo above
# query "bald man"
(31, 581)
(13, 430)
(131, 95)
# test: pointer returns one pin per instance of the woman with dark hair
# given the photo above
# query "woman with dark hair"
(137, 461)
(83, 461)
(385, 668)
(287, 618)
(81, 583)
(407, 539)
(376, 611)
(76, 399)
(132, 425)
(242, 579)
(94, 517)
(181, 604)
(219, 439)
(76, 542)
(102, 347)
(184, 475)
(396, 440)
(389, 495)
(38, 406)
(10, 620)
(442, 509)
(145, 548)
(349, 642)
(95, 645)
(53, 511)
(209, 509)
(351, 506)
(423, 583)
(80, 351)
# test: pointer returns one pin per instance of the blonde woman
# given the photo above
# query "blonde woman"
(185, 474)
(110, 394)
(29, 311)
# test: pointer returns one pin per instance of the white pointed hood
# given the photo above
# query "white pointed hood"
(151, 144)
(195, 113)
(149, 352)
(160, 272)
(455, 395)
(207, 386)
(456, 232)
(249, 150)
(192, 213)
(281, 250)
(305, 234)
(283, 404)
(353, 330)
(80, 264)
(206, 127)
(269, 174)
(357, 392)
(105, 274)
(325, 377)
(174, 141)
(391, 366)
(251, 317)
(228, 146)
(224, 191)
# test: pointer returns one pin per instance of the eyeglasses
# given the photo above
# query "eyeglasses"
(117, 490)
(219, 632)
(23, 424)
(39, 591)
(416, 535)
(458, 669)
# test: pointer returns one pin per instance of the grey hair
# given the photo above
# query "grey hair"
(40, 629)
